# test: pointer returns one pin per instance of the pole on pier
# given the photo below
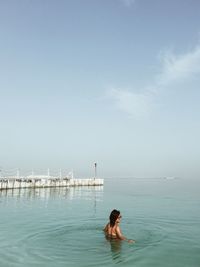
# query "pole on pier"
(95, 170)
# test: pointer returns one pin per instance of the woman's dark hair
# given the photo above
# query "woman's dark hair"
(113, 217)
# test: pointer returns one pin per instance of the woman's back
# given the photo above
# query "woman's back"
(111, 231)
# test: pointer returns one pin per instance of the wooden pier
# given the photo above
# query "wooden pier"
(12, 183)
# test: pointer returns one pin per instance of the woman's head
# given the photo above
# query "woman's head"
(114, 215)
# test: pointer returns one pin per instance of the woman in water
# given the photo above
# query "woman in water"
(112, 229)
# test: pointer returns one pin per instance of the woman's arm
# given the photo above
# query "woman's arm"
(120, 236)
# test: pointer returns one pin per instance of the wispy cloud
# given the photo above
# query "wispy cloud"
(135, 104)
(127, 3)
(178, 68)
(174, 69)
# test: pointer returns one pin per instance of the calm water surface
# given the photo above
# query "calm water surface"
(63, 226)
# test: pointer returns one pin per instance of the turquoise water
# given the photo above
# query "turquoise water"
(63, 226)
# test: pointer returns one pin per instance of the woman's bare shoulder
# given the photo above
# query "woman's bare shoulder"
(117, 227)
(106, 227)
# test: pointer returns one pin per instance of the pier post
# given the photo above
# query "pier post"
(95, 170)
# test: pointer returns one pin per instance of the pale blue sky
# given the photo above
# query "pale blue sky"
(112, 81)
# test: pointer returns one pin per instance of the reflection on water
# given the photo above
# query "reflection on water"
(85, 192)
(115, 247)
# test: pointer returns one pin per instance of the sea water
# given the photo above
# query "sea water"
(63, 226)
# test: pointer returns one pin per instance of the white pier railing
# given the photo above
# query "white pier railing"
(50, 182)
(16, 178)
